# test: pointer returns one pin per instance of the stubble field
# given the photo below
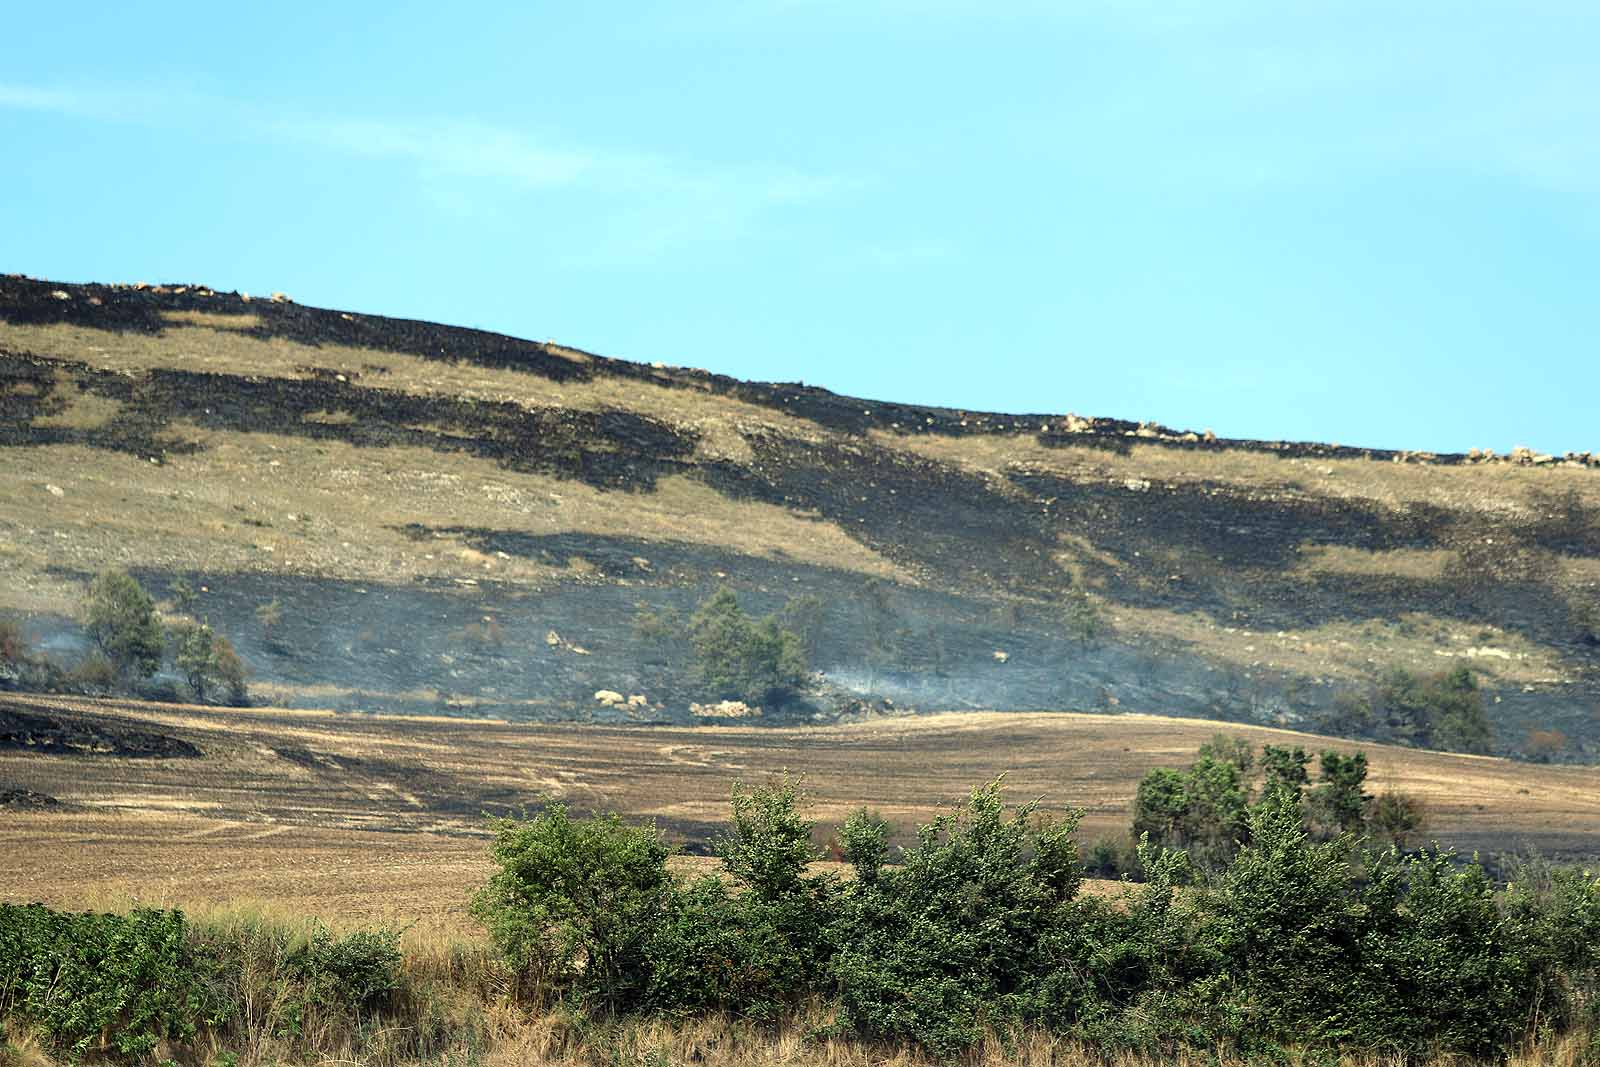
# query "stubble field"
(362, 818)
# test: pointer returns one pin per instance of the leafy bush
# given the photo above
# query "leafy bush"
(716, 950)
(573, 903)
(960, 932)
(1338, 803)
(768, 848)
(292, 988)
(131, 981)
(740, 658)
(1081, 617)
(1288, 920)
(864, 844)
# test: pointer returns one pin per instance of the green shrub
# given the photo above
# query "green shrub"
(1295, 947)
(1289, 923)
(769, 844)
(294, 988)
(768, 848)
(1081, 618)
(864, 843)
(959, 934)
(130, 981)
(1338, 804)
(357, 973)
(574, 901)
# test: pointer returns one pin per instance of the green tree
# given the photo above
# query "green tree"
(1160, 806)
(1460, 722)
(1398, 817)
(1338, 802)
(1436, 711)
(121, 618)
(1226, 748)
(208, 662)
(1214, 822)
(738, 657)
(1285, 768)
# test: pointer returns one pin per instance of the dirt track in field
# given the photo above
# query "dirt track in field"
(367, 817)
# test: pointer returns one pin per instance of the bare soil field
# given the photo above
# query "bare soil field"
(383, 817)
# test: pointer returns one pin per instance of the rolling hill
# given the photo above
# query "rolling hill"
(392, 515)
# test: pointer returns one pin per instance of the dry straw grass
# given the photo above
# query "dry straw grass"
(213, 343)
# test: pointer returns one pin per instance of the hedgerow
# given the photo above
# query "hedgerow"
(979, 925)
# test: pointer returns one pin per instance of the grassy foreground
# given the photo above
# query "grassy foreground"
(455, 1006)
(977, 947)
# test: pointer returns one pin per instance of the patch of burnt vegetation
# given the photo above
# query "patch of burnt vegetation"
(27, 800)
(606, 449)
(937, 522)
(50, 731)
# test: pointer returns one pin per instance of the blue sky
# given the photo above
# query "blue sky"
(1370, 223)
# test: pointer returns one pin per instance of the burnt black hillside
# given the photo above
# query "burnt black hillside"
(455, 520)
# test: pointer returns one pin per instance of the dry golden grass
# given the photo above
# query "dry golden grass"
(801, 1041)
(1412, 563)
(496, 1033)
(1353, 651)
(380, 817)
(1498, 488)
(80, 410)
(215, 320)
(259, 502)
(213, 343)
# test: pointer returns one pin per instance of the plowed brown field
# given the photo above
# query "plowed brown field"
(366, 817)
